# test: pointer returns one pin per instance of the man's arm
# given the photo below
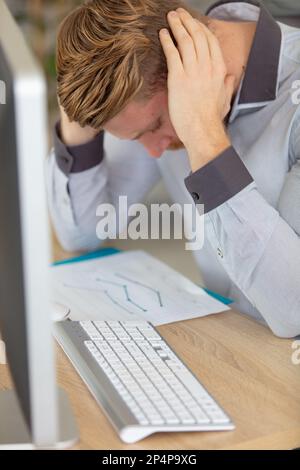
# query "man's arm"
(258, 245)
(86, 169)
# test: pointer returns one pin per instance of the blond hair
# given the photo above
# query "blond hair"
(108, 53)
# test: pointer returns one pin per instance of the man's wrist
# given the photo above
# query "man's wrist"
(72, 134)
(207, 149)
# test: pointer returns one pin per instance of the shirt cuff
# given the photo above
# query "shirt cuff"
(77, 158)
(219, 180)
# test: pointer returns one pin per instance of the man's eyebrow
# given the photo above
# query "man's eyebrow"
(153, 126)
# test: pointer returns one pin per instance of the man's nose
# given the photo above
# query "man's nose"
(156, 148)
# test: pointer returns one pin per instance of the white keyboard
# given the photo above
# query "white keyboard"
(139, 381)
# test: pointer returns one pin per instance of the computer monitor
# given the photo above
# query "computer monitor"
(30, 415)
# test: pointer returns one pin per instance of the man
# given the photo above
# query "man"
(120, 71)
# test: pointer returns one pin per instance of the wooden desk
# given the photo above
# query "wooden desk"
(244, 366)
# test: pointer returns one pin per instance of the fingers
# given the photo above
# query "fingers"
(197, 33)
(215, 49)
(184, 40)
(205, 42)
(214, 46)
(171, 52)
(195, 43)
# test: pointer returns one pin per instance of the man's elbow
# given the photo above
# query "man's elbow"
(283, 318)
(72, 243)
(285, 329)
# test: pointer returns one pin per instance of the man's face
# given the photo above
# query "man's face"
(149, 123)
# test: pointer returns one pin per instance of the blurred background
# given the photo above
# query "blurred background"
(39, 20)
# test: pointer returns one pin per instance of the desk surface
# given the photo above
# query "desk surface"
(241, 363)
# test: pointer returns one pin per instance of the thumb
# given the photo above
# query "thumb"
(229, 86)
(229, 83)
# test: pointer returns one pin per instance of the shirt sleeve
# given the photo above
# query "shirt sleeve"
(257, 244)
(219, 180)
(82, 178)
(79, 157)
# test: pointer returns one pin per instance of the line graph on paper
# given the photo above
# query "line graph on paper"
(121, 290)
(130, 285)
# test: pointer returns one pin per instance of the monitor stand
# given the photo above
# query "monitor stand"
(14, 432)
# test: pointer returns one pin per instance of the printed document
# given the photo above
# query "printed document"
(131, 285)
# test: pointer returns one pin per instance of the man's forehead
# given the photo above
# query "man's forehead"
(137, 115)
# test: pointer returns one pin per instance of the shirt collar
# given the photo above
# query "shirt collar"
(260, 82)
